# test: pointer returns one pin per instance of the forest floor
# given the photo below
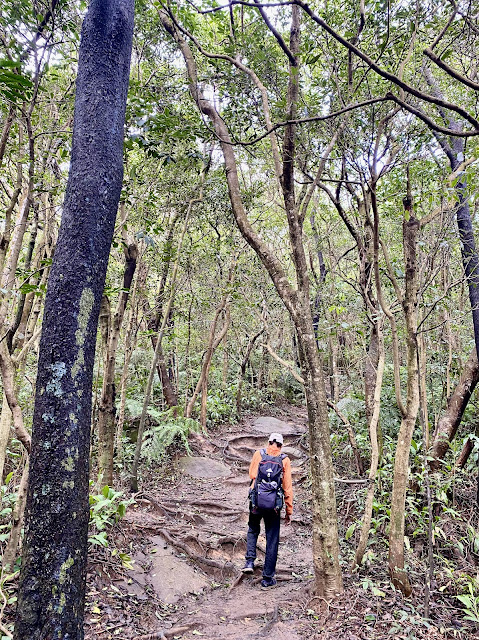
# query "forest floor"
(186, 536)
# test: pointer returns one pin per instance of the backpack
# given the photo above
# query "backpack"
(267, 492)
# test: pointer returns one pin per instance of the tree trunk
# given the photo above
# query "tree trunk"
(206, 369)
(375, 451)
(328, 580)
(401, 462)
(451, 419)
(242, 370)
(297, 302)
(5, 425)
(370, 369)
(466, 451)
(213, 343)
(149, 384)
(130, 344)
(169, 392)
(52, 582)
(10, 554)
(107, 407)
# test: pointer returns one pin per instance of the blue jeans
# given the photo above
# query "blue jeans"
(271, 525)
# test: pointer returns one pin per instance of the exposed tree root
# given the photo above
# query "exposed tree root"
(236, 583)
(161, 507)
(223, 567)
(167, 633)
(274, 619)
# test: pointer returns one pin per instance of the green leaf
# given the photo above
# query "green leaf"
(350, 531)
(9, 63)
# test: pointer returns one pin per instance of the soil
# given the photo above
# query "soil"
(186, 535)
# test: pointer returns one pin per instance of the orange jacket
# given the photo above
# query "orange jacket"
(274, 450)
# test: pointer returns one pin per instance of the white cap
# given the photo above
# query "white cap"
(276, 436)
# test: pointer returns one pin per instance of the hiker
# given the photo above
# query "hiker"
(270, 473)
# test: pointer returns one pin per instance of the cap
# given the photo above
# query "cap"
(276, 436)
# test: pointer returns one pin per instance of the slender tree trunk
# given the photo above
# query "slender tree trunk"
(130, 344)
(373, 436)
(149, 384)
(370, 371)
(7, 125)
(242, 370)
(107, 406)
(52, 582)
(10, 554)
(466, 451)
(328, 580)
(206, 369)
(7, 370)
(213, 343)
(5, 425)
(169, 392)
(401, 461)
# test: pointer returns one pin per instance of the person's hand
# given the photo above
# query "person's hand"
(287, 519)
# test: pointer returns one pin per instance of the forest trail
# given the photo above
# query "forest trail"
(186, 533)
(190, 540)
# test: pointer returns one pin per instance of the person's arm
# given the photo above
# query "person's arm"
(288, 487)
(253, 467)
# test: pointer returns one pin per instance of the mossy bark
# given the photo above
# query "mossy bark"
(52, 582)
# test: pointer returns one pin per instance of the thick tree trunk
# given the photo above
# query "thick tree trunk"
(451, 418)
(52, 583)
(328, 579)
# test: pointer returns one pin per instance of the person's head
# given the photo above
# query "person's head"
(277, 439)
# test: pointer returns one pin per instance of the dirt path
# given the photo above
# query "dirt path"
(191, 539)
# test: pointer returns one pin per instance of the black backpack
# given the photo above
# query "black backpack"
(267, 492)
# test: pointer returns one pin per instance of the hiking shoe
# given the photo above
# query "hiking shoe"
(268, 583)
(249, 567)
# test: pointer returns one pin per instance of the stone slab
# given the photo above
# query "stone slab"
(197, 467)
(170, 576)
(268, 424)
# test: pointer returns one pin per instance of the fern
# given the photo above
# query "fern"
(162, 436)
